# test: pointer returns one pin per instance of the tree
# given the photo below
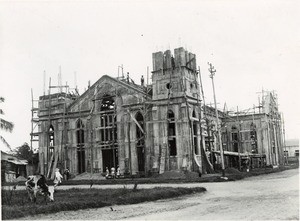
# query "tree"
(5, 125)
(25, 152)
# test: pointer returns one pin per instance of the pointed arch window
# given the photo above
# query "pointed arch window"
(140, 146)
(235, 138)
(108, 122)
(139, 134)
(108, 136)
(195, 131)
(172, 134)
(51, 139)
(80, 133)
(253, 138)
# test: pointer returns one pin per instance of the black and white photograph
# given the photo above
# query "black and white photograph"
(149, 110)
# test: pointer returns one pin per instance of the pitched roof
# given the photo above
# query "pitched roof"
(122, 83)
(12, 159)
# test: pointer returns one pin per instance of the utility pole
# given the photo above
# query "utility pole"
(286, 155)
(239, 136)
(212, 72)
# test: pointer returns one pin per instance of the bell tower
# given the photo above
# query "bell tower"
(175, 111)
(174, 76)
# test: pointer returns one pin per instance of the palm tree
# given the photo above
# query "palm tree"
(5, 125)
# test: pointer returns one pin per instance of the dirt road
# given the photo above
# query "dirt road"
(273, 196)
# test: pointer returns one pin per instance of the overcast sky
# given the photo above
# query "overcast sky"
(253, 45)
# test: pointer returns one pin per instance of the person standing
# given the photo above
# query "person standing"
(107, 173)
(67, 174)
(113, 170)
(57, 177)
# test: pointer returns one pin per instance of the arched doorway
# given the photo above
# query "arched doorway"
(140, 144)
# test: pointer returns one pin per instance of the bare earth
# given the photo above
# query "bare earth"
(274, 196)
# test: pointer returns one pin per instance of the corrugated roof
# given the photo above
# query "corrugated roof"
(18, 162)
(12, 159)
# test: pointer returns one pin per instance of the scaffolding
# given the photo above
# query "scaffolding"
(48, 104)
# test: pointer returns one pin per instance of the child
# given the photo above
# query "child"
(113, 170)
(118, 172)
(107, 172)
(57, 177)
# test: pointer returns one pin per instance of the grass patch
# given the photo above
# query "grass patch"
(74, 199)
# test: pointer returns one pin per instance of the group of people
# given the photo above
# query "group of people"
(113, 173)
(109, 174)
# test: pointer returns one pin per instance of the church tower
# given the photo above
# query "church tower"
(176, 74)
(176, 111)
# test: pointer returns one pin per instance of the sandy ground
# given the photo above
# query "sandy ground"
(274, 196)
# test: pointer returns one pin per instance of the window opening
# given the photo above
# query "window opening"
(51, 141)
(235, 139)
(51, 136)
(108, 133)
(195, 130)
(168, 86)
(140, 142)
(80, 133)
(80, 146)
(172, 134)
(253, 138)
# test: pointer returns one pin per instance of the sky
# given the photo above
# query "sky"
(254, 46)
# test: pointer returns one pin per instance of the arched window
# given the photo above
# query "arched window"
(108, 132)
(108, 103)
(195, 131)
(140, 145)
(172, 133)
(139, 134)
(80, 146)
(235, 138)
(51, 136)
(51, 139)
(253, 138)
(80, 133)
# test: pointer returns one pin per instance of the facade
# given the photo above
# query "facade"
(256, 137)
(140, 129)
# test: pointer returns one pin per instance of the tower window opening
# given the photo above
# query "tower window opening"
(51, 136)
(168, 86)
(172, 134)
(51, 140)
(195, 131)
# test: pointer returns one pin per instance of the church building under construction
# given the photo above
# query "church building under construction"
(150, 129)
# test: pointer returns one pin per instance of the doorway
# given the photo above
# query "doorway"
(81, 160)
(109, 158)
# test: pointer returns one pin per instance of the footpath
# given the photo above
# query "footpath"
(168, 177)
